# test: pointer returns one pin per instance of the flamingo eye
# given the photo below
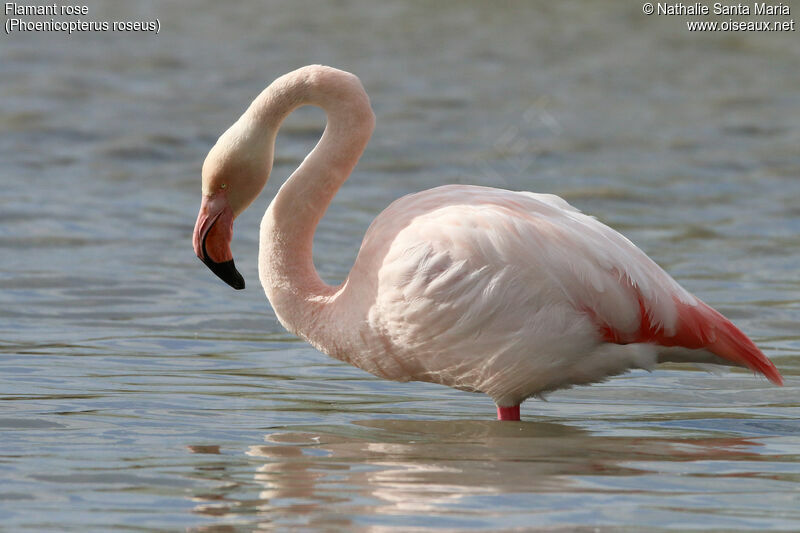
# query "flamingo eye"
(223, 186)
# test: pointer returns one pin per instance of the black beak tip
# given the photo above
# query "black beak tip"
(226, 271)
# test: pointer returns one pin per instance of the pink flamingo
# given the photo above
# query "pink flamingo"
(512, 294)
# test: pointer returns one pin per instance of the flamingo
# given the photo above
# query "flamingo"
(512, 294)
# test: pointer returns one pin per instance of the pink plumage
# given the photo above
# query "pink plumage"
(512, 294)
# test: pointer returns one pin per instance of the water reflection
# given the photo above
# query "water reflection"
(380, 470)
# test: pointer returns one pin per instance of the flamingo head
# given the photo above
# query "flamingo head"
(234, 172)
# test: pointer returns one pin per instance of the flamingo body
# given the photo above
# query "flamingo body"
(512, 294)
(515, 294)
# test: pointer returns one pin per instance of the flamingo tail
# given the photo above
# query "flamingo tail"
(703, 327)
(698, 327)
(728, 342)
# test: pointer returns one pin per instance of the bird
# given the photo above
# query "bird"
(510, 294)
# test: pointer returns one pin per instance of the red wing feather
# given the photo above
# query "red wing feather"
(699, 327)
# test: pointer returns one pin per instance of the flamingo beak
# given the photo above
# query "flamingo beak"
(212, 238)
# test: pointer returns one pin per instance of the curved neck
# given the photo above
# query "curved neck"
(286, 267)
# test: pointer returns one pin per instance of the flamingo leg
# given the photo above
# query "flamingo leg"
(508, 413)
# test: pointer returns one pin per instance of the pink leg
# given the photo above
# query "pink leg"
(508, 413)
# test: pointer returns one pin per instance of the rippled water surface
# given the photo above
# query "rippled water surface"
(137, 392)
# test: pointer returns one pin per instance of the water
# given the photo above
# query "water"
(140, 393)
